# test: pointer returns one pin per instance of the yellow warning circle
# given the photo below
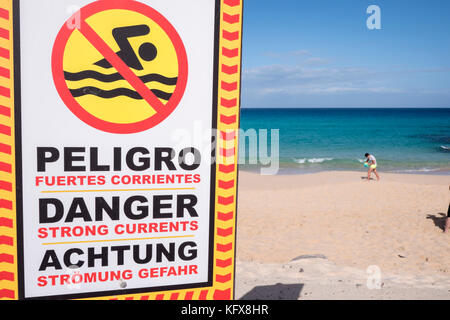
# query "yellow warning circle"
(122, 69)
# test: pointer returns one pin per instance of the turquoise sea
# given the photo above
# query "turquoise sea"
(402, 140)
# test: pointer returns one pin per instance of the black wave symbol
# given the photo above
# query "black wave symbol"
(108, 94)
(90, 74)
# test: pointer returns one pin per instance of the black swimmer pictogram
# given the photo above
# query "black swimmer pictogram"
(147, 52)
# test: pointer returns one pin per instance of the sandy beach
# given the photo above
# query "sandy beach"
(314, 236)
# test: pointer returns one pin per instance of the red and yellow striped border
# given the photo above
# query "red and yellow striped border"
(8, 243)
(226, 175)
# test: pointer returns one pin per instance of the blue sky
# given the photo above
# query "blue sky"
(320, 53)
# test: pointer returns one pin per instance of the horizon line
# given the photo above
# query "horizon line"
(345, 108)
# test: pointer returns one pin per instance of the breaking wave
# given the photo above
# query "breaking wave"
(312, 160)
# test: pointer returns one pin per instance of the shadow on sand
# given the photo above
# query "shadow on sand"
(438, 219)
(365, 178)
(274, 292)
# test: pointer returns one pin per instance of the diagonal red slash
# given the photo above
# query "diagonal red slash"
(120, 66)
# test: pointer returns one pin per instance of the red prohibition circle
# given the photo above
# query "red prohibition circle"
(61, 84)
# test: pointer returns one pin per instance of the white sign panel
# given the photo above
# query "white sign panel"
(113, 203)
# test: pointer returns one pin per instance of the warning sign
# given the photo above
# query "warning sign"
(108, 189)
(120, 67)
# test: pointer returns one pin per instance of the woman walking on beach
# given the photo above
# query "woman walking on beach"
(372, 162)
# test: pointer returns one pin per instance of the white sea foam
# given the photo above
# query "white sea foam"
(319, 160)
(417, 170)
(312, 160)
